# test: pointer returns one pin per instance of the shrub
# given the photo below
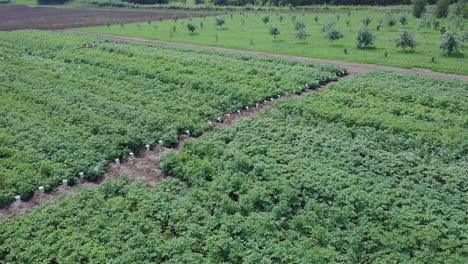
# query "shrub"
(219, 21)
(274, 31)
(426, 20)
(301, 34)
(465, 36)
(265, 19)
(191, 27)
(366, 21)
(299, 25)
(460, 9)
(391, 21)
(450, 43)
(332, 33)
(364, 37)
(442, 8)
(405, 40)
(403, 19)
(419, 7)
(456, 22)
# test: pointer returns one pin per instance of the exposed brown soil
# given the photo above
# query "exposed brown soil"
(351, 67)
(18, 207)
(145, 163)
(14, 17)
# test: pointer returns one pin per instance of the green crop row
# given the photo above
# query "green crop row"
(298, 183)
(70, 104)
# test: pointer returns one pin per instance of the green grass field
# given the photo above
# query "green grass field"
(249, 32)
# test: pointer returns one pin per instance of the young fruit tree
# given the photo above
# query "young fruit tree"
(191, 27)
(403, 19)
(442, 8)
(450, 43)
(274, 31)
(364, 37)
(366, 21)
(299, 25)
(332, 33)
(405, 40)
(301, 34)
(419, 7)
(219, 21)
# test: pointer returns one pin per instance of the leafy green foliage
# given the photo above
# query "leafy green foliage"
(403, 19)
(391, 20)
(301, 34)
(219, 21)
(419, 7)
(332, 33)
(450, 43)
(405, 40)
(298, 25)
(265, 19)
(69, 103)
(364, 37)
(372, 170)
(442, 8)
(366, 21)
(274, 30)
(191, 27)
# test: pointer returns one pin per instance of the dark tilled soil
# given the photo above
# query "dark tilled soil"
(15, 17)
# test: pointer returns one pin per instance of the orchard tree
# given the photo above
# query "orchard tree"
(403, 19)
(364, 37)
(191, 27)
(220, 21)
(299, 25)
(274, 31)
(391, 21)
(366, 21)
(405, 40)
(450, 43)
(442, 8)
(419, 7)
(301, 34)
(332, 33)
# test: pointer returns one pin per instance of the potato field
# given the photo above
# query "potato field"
(71, 104)
(372, 170)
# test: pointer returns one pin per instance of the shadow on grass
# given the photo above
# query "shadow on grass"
(407, 51)
(458, 55)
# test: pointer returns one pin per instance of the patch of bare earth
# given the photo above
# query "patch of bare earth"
(145, 163)
(15, 17)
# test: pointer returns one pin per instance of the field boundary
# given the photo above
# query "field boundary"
(144, 165)
(351, 67)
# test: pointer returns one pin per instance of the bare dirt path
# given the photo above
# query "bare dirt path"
(351, 67)
(144, 165)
